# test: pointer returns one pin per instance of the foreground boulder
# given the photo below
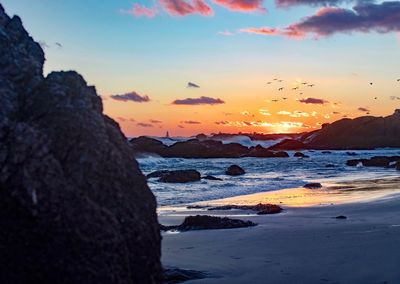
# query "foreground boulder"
(204, 222)
(180, 176)
(234, 170)
(74, 206)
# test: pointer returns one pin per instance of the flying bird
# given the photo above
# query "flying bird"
(192, 85)
(284, 99)
(280, 89)
(398, 80)
(274, 101)
(269, 83)
(304, 83)
(375, 98)
(311, 85)
(295, 88)
(275, 79)
(280, 81)
(371, 83)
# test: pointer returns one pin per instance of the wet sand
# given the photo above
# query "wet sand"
(304, 244)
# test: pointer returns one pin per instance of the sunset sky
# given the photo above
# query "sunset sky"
(142, 55)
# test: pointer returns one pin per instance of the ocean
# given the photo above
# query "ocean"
(262, 174)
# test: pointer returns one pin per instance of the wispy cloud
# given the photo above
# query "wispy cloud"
(296, 113)
(191, 122)
(315, 101)
(183, 8)
(242, 5)
(138, 10)
(198, 101)
(264, 112)
(132, 96)
(226, 33)
(143, 124)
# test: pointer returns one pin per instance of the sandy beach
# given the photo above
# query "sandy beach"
(304, 244)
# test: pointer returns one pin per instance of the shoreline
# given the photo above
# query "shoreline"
(332, 193)
(303, 244)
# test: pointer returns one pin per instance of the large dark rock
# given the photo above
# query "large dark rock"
(145, 144)
(205, 222)
(260, 152)
(365, 132)
(377, 161)
(205, 149)
(180, 176)
(74, 206)
(398, 165)
(234, 170)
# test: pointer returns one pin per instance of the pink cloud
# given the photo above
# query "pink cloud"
(183, 8)
(138, 10)
(242, 5)
(290, 31)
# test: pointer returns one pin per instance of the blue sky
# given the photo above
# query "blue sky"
(121, 53)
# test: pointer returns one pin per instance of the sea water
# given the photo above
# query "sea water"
(262, 174)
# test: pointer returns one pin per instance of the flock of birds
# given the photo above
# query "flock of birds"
(280, 89)
(306, 84)
(296, 88)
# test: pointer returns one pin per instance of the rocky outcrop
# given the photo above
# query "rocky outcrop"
(74, 206)
(180, 176)
(376, 161)
(367, 132)
(234, 170)
(200, 148)
(205, 222)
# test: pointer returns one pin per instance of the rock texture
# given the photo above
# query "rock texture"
(74, 206)
(205, 222)
(367, 132)
(180, 176)
(234, 170)
(200, 148)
